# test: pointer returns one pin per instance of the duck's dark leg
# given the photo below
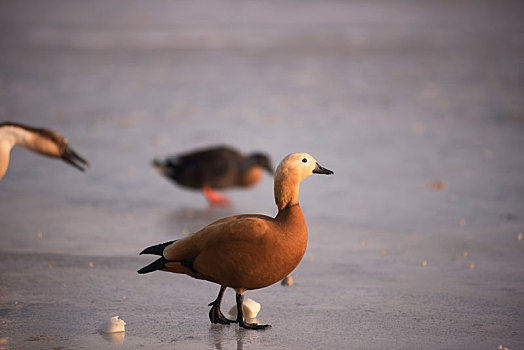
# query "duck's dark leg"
(240, 316)
(215, 315)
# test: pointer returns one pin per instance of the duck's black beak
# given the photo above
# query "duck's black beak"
(320, 170)
(73, 158)
(269, 169)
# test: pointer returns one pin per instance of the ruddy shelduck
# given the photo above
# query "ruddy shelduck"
(245, 252)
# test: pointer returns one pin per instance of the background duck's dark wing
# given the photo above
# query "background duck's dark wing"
(215, 167)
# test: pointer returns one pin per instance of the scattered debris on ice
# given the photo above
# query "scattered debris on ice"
(287, 281)
(437, 185)
(250, 308)
(114, 325)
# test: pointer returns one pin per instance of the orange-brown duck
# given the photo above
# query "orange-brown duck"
(245, 252)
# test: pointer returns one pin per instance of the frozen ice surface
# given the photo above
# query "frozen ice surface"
(416, 105)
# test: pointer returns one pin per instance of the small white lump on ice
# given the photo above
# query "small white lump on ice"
(287, 281)
(114, 325)
(250, 308)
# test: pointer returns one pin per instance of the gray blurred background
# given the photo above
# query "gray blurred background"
(416, 105)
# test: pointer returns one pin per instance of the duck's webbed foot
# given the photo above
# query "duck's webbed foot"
(247, 325)
(215, 315)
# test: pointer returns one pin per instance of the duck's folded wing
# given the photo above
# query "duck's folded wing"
(242, 228)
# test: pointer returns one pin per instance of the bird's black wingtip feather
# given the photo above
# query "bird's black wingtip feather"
(158, 264)
(156, 249)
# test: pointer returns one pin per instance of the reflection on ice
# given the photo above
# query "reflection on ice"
(220, 336)
(114, 338)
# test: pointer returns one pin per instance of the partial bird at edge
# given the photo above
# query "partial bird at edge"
(39, 140)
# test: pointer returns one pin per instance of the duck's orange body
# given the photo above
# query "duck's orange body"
(259, 250)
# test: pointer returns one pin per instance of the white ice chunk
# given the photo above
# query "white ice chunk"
(250, 308)
(114, 325)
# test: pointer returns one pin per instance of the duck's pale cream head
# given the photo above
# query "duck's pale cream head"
(290, 172)
(299, 166)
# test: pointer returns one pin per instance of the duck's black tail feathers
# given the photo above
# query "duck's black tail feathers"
(158, 264)
(156, 249)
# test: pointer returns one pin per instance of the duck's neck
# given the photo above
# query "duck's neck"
(286, 193)
(10, 135)
(294, 230)
(5, 148)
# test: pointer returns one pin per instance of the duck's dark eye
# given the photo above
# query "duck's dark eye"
(304, 160)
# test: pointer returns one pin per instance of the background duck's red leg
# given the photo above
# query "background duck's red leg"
(214, 197)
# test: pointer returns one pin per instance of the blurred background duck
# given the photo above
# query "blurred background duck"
(39, 140)
(215, 168)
